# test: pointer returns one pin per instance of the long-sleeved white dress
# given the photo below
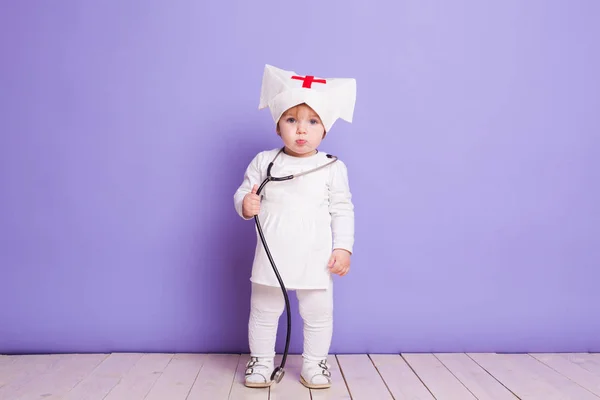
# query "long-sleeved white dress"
(302, 219)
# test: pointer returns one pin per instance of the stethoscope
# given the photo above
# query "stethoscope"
(278, 372)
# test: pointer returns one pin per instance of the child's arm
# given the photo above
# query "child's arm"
(252, 177)
(341, 208)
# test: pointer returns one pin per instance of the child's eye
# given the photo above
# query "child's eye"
(291, 120)
(314, 121)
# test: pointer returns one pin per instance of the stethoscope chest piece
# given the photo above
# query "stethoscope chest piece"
(278, 374)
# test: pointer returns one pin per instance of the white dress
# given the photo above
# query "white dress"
(302, 219)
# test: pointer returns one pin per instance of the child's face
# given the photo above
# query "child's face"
(301, 130)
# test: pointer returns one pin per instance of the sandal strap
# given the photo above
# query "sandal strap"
(252, 364)
(324, 370)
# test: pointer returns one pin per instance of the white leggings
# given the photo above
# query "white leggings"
(316, 309)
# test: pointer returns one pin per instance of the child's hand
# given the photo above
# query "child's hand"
(251, 203)
(339, 262)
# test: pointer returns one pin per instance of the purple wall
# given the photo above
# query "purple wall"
(473, 159)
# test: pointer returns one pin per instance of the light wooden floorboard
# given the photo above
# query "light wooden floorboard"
(23, 370)
(529, 379)
(401, 380)
(424, 376)
(587, 361)
(338, 389)
(475, 378)
(137, 382)
(67, 372)
(6, 368)
(178, 377)
(437, 377)
(215, 378)
(571, 370)
(290, 387)
(104, 377)
(241, 392)
(363, 380)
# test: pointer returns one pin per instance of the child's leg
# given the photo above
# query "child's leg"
(266, 306)
(316, 309)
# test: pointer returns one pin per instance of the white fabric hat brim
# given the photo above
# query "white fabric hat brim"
(332, 100)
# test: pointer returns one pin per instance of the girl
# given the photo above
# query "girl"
(308, 221)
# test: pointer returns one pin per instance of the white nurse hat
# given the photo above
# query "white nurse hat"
(331, 98)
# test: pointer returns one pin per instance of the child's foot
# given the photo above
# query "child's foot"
(315, 375)
(258, 372)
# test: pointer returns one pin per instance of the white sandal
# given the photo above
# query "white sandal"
(316, 375)
(258, 372)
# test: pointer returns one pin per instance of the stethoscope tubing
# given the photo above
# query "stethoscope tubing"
(278, 372)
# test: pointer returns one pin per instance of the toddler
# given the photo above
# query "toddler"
(308, 222)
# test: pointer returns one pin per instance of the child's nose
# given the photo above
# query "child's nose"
(301, 128)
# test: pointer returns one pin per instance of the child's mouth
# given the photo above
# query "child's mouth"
(300, 141)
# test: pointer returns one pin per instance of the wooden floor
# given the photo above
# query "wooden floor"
(455, 376)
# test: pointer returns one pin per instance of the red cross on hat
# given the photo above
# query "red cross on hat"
(308, 80)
